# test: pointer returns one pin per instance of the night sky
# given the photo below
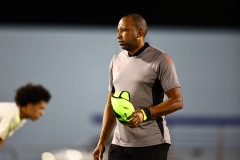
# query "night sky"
(173, 13)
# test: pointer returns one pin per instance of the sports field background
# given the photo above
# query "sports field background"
(72, 62)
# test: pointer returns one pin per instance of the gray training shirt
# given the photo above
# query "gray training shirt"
(146, 76)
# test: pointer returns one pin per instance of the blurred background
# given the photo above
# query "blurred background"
(67, 47)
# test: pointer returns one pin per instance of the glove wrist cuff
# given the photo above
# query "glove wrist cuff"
(144, 115)
(147, 113)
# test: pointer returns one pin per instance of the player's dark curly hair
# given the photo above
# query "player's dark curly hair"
(31, 93)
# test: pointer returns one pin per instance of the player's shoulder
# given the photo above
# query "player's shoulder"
(155, 52)
(8, 105)
(8, 108)
(161, 55)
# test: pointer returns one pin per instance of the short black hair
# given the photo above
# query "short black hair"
(31, 93)
(138, 22)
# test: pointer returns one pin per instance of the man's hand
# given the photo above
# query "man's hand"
(98, 152)
(137, 118)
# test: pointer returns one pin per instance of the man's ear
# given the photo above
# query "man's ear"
(27, 106)
(140, 33)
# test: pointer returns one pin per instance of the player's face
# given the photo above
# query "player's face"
(127, 35)
(36, 110)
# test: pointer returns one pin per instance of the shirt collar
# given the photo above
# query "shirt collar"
(140, 50)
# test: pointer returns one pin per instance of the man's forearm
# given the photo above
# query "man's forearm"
(108, 122)
(172, 104)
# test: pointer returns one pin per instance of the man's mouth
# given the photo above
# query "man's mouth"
(120, 43)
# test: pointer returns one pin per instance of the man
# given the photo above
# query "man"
(30, 103)
(147, 73)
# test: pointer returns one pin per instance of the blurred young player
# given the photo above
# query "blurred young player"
(30, 103)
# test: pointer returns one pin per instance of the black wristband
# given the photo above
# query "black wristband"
(147, 112)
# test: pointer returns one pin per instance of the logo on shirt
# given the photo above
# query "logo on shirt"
(169, 59)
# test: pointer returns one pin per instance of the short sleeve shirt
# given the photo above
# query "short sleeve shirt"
(9, 119)
(147, 77)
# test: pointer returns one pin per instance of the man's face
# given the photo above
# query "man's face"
(35, 110)
(127, 34)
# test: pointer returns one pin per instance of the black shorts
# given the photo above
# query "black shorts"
(156, 152)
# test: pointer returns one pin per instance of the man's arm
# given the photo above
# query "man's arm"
(108, 123)
(1, 143)
(172, 104)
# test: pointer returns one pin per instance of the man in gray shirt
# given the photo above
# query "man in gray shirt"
(147, 73)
